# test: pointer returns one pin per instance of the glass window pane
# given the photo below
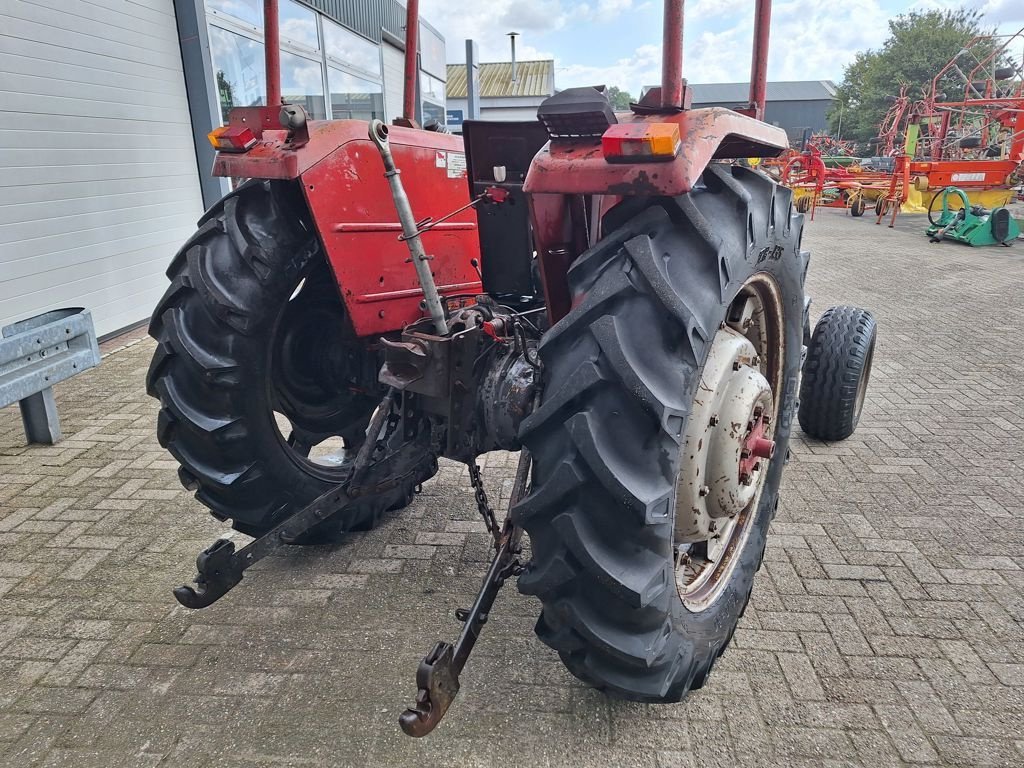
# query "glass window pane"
(432, 53)
(431, 87)
(353, 98)
(350, 49)
(302, 83)
(248, 11)
(238, 64)
(298, 25)
(433, 112)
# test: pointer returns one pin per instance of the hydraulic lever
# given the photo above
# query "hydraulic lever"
(410, 230)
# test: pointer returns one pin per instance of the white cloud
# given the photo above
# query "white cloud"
(1008, 15)
(1010, 12)
(488, 23)
(643, 67)
(810, 39)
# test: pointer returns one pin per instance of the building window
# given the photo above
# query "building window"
(298, 26)
(326, 68)
(353, 98)
(350, 50)
(238, 63)
(302, 83)
(248, 12)
(435, 112)
(432, 52)
(432, 88)
(432, 92)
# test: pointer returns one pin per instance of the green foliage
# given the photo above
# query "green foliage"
(620, 99)
(226, 93)
(919, 44)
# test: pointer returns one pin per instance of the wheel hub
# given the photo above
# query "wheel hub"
(728, 440)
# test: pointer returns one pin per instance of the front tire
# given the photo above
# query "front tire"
(836, 373)
(254, 394)
(613, 454)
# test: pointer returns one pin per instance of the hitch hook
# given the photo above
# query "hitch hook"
(437, 676)
(218, 571)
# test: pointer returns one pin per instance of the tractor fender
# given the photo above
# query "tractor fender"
(342, 179)
(578, 166)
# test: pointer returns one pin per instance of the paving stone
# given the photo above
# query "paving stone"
(886, 627)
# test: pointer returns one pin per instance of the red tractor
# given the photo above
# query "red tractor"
(605, 293)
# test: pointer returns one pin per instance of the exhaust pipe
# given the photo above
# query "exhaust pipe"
(512, 38)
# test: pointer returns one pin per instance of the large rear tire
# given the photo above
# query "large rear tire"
(263, 391)
(613, 517)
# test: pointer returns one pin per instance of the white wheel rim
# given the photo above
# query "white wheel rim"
(728, 444)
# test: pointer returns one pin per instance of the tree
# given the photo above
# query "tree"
(227, 94)
(919, 44)
(619, 99)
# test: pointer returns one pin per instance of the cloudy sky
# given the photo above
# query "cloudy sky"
(618, 42)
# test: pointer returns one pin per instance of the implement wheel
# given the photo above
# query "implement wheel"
(659, 445)
(857, 205)
(836, 373)
(263, 391)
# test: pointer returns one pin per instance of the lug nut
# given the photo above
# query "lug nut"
(713, 421)
(746, 479)
(704, 491)
(736, 365)
(744, 454)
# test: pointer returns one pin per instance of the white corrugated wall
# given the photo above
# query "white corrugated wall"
(98, 178)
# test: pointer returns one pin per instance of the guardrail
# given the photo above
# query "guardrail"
(37, 353)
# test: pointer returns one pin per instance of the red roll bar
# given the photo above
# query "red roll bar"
(272, 52)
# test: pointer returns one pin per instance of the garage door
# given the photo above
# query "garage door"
(394, 80)
(98, 178)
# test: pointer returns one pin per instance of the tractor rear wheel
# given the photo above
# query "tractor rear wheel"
(265, 395)
(660, 443)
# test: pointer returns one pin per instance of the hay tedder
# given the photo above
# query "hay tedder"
(605, 293)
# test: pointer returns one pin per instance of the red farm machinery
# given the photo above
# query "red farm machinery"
(606, 293)
(966, 132)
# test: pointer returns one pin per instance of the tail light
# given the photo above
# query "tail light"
(232, 138)
(640, 142)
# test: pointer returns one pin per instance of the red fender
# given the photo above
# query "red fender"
(342, 177)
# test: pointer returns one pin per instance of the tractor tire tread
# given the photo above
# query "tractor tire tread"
(599, 514)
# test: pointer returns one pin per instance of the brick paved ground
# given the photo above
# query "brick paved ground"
(886, 628)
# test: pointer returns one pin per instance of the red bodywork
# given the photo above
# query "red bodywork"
(343, 179)
(570, 179)
(570, 185)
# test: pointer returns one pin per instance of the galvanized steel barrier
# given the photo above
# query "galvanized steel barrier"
(37, 353)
